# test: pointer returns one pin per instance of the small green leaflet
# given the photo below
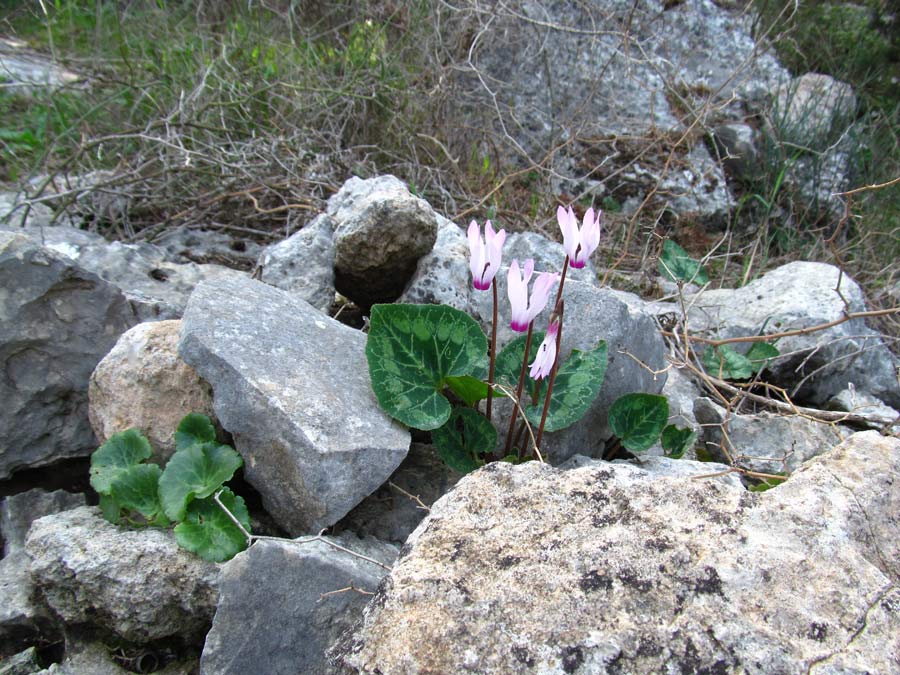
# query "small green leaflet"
(469, 389)
(725, 363)
(194, 428)
(209, 532)
(767, 484)
(137, 489)
(464, 438)
(120, 452)
(677, 265)
(676, 441)
(194, 473)
(508, 364)
(412, 350)
(638, 419)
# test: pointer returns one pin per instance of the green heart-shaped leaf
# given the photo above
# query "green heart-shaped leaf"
(120, 452)
(194, 473)
(469, 389)
(676, 441)
(760, 354)
(412, 350)
(508, 364)
(464, 438)
(194, 428)
(137, 489)
(725, 363)
(577, 384)
(677, 265)
(638, 419)
(209, 532)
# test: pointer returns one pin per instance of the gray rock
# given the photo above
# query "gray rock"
(137, 584)
(16, 213)
(815, 366)
(311, 592)
(84, 657)
(142, 383)
(292, 386)
(809, 109)
(23, 71)
(397, 507)
(23, 663)
(219, 247)
(303, 264)
(614, 568)
(57, 321)
(18, 511)
(735, 143)
(380, 232)
(764, 442)
(851, 400)
(697, 189)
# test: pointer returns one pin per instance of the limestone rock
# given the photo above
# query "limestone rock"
(735, 144)
(18, 511)
(765, 442)
(292, 386)
(57, 321)
(380, 232)
(283, 603)
(615, 568)
(143, 383)
(817, 365)
(810, 108)
(303, 263)
(137, 584)
(23, 663)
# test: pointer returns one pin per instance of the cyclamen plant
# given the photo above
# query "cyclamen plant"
(421, 356)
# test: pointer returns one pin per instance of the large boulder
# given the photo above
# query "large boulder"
(619, 568)
(311, 590)
(380, 232)
(292, 386)
(135, 584)
(810, 109)
(57, 320)
(142, 383)
(801, 295)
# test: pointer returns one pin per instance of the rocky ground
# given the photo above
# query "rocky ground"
(380, 559)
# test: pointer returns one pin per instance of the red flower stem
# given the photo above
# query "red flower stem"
(490, 394)
(562, 281)
(559, 313)
(515, 411)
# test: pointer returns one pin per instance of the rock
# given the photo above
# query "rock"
(815, 366)
(735, 144)
(292, 386)
(380, 232)
(764, 442)
(311, 591)
(23, 663)
(137, 584)
(807, 110)
(617, 568)
(697, 189)
(850, 400)
(84, 657)
(208, 247)
(25, 71)
(21, 621)
(303, 264)
(16, 213)
(390, 515)
(143, 383)
(57, 321)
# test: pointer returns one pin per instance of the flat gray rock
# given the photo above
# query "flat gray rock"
(57, 320)
(292, 386)
(614, 568)
(283, 603)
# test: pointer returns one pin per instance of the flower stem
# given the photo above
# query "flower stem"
(515, 411)
(559, 314)
(490, 394)
(562, 282)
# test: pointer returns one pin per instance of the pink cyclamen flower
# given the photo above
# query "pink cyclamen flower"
(484, 260)
(546, 355)
(524, 310)
(579, 243)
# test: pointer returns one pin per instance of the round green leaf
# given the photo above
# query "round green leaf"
(209, 532)
(464, 438)
(195, 472)
(760, 353)
(508, 364)
(121, 451)
(137, 489)
(638, 419)
(577, 384)
(194, 428)
(676, 441)
(725, 363)
(411, 351)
